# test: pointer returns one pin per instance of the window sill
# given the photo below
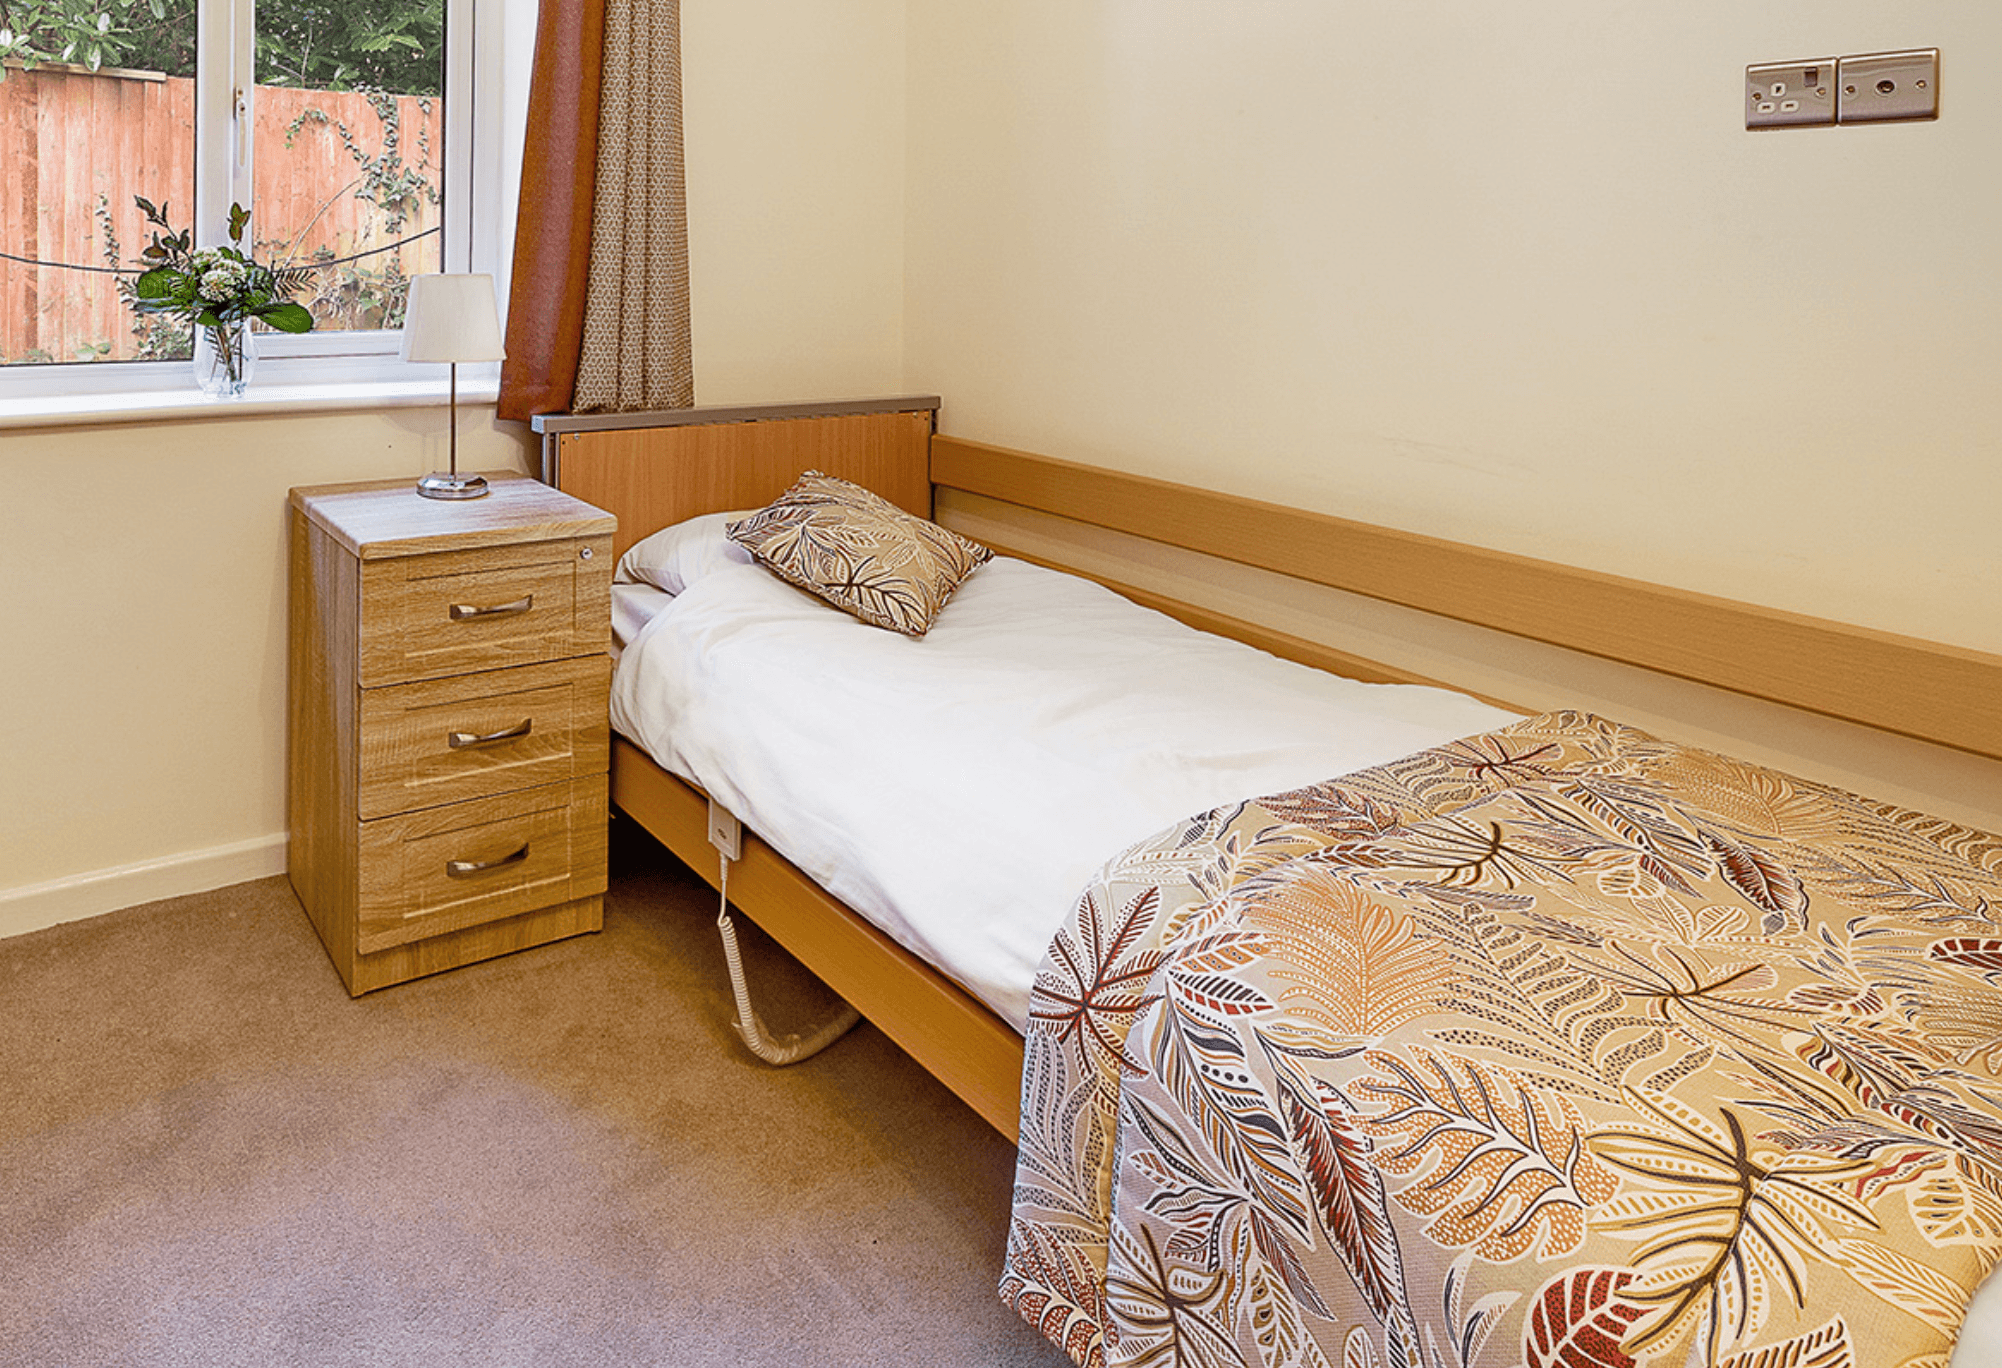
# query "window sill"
(74, 410)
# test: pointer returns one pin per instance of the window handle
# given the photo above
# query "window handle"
(239, 113)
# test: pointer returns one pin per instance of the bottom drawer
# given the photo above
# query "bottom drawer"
(441, 869)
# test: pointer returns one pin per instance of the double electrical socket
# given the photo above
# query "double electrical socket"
(1783, 93)
(1872, 88)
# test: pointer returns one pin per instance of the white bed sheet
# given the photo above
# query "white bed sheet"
(960, 790)
(633, 607)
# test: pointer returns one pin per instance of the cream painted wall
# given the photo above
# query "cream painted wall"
(142, 745)
(1511, 274)
(793, 118)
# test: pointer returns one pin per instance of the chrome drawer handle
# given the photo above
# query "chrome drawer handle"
(461, 740)
(465, 869)
(462, 611)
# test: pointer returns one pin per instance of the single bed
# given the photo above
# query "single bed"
(1106, 1254)
(978, 777)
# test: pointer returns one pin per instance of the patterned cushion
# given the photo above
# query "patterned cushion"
(860, 552)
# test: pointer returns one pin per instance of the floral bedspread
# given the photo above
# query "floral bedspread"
(1557, 1046)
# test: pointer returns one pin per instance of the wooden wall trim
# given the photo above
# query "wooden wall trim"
(1928, 690)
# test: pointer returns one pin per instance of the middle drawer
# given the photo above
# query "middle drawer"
(447, 740)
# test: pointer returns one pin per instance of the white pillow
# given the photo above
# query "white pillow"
(677, 556)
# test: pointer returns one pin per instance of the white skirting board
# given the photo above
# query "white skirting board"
(36, 906)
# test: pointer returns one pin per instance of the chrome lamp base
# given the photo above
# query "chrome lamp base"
(441, 484)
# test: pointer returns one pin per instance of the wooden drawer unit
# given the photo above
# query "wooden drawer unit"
(449, 741)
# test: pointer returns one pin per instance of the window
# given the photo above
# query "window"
(348, 128)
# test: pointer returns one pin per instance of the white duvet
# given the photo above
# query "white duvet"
(960, 790)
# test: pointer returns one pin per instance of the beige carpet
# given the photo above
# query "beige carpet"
(210, 1155)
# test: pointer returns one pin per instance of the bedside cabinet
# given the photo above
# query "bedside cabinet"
(446, 764)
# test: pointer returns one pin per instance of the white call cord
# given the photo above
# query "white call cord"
(726, 834)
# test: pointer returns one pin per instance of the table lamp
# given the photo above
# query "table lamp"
(452, 318)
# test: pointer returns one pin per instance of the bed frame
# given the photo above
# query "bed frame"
(655, 469)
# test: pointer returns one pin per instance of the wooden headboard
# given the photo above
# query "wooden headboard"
(654, 469)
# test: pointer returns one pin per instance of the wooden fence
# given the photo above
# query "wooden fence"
(76, 146)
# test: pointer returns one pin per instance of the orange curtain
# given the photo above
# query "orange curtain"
(552, 244)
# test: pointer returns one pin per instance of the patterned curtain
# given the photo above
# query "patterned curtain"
(636, 352)
(598, 302)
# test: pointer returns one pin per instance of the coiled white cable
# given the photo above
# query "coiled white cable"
(794, 1047)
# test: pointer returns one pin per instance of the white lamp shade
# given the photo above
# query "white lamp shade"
(452, 318)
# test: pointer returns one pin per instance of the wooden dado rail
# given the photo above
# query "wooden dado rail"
(1935, 692)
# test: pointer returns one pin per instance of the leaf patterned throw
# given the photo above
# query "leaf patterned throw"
(1557, 1047)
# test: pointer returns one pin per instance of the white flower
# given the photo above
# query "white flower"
(219, 279)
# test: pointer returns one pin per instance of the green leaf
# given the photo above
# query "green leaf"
(287, 317)
(239, 218)
(157, 283)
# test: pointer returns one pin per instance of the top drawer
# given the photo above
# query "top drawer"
(425, 617)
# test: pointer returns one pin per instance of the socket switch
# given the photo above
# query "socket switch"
(1888, 85)
(1783, 94)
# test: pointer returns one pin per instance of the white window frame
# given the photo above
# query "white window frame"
(477, 230)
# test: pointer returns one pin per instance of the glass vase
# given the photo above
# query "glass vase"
(225, 356)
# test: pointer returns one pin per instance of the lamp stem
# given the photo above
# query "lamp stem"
(450, 484)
